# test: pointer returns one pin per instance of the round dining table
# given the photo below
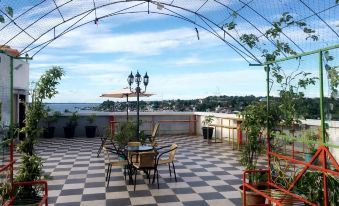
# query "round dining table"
(141, 148)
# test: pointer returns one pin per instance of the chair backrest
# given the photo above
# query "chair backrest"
(147, 159)
(133, 144)
(173, 150)
(155, 129)
(154, 135)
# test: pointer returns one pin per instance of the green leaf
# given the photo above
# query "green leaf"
(230, 25)
(235, 14)
(9, 11)
(2, 19)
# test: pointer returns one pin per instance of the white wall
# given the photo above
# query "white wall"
(4, 89)
(20, 82)
(21, 75)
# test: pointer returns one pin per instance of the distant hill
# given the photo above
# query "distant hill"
(309, 107)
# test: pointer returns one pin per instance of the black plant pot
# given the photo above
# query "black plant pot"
(207, 132)
(49, 132)
(90, 131)
(69, 132)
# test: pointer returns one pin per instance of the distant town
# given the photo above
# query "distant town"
(219, 104)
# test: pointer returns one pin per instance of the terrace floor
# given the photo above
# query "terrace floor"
(207, 174)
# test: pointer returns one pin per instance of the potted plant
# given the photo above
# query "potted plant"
(125, 133)
(72, 123)
(207, 131)
(50, 120)
(90, 129)
(30, 166)
(5, 187)
(256, 120)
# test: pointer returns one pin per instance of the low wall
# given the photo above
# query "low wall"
(171, 123)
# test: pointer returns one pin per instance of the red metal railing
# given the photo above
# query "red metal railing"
(286, 196)
(10, 166)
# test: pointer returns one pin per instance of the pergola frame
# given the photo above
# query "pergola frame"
(173, 8)
(207, 24)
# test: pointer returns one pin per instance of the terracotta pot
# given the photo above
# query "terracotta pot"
(252, 198)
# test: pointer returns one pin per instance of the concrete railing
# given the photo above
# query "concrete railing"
(173, 123)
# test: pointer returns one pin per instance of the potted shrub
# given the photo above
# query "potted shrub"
(90, 129)
(72, 123)
(256, 119)
(30, 165)
(310, 186)
(125, 133)
(50, 120)
(5, 187)
(207, 131)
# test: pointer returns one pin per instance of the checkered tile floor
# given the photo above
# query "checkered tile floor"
(207, 174)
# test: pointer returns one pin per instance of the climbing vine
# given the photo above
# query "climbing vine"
(290, 83)
(332, 74)
(8, 11)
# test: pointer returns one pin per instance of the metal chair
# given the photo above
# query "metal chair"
(169, 160)
(113, 162)
(105, 137)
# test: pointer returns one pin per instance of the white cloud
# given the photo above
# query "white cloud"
(173, 86)
(94, 40)
(189, 61)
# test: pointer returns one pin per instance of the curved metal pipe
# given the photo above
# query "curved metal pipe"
(247, 53)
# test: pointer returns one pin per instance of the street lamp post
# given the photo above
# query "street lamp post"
(138, 79)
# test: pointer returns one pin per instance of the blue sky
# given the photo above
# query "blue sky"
(98, 59)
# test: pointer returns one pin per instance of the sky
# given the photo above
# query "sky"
(98, 59)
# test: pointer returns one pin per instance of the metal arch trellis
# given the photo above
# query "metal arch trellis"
(208, 24)
(71, 28)
(241, 52)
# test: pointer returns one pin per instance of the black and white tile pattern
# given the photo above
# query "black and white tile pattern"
(207, 174)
